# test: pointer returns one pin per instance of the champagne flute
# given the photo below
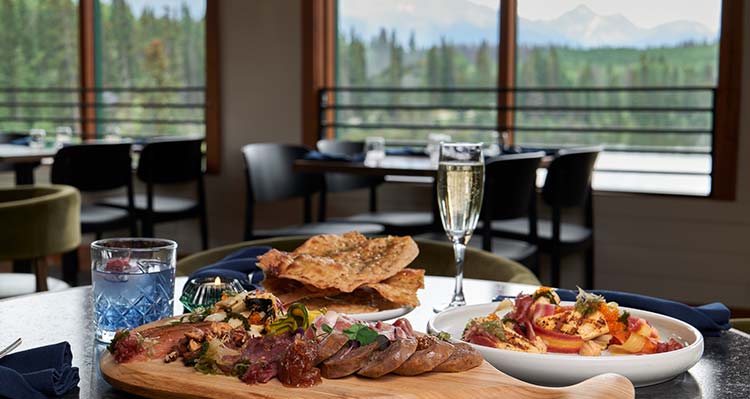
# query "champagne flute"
(460, 186)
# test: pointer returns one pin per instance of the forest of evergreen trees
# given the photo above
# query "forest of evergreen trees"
(153, 48)
(387, 60)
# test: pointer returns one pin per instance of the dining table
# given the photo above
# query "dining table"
(51, 317)
(24, 160)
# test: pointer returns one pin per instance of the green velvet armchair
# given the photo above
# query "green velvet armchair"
(37, 221)
(434, 256)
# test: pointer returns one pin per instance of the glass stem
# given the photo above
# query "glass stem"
(459, 249)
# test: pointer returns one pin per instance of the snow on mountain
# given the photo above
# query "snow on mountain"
(462, 21)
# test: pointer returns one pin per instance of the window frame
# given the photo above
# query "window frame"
(212, 89)
(319, 22)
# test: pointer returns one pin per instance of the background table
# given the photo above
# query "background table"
(24, 159)
(47, 318)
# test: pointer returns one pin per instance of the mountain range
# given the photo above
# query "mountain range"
(461, 21)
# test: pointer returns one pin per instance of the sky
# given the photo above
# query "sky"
(643, 13)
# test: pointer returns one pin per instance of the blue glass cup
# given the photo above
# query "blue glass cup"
(133, 283)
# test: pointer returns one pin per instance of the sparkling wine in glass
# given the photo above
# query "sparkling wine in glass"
(460, 186)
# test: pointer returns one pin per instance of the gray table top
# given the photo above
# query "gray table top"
(41, 319)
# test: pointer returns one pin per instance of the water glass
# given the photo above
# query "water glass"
(133, 283)
(460, 187)
(36, 138)
(63, 136)
(374, 150)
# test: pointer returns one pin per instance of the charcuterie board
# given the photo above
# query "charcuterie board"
(156, 379)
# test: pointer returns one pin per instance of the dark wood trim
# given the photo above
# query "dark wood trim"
(318, 63)
(213, 88)
(727, 102)
(87, 68)
(506, 71)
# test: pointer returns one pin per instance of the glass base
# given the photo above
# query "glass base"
(446, 306)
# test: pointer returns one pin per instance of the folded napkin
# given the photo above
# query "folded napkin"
(38, 373)
(710, 319)
(406, 151)
(319, 156)
(240, 265)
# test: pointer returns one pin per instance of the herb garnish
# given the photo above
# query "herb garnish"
(587, 303)
(360, 332)
(624, 318)
(494, 327)
(119, 336)
(326, 328)
(546, 292)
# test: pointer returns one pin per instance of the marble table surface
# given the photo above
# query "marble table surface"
(46, 318)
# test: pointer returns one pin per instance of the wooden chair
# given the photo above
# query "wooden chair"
(169, 162)
(395, 222)
(271, 177)
(568, 185)
(96, 168)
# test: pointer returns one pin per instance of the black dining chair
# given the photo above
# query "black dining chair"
(567, 185)
(271, 177)
(96, 168)
(169, 162)
(509, 193)
(395, 222)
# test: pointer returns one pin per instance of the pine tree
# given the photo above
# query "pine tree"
(447, 70)
(484, 75)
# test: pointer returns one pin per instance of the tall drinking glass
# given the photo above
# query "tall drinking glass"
(133, 283)
(460, 186)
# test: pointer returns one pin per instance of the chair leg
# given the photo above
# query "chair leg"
(70, 267)
(204, 228)
(40, 272)
(589, 278)
(555, 266)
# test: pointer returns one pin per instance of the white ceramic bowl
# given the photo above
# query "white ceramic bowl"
(383, 314)
(556, 369)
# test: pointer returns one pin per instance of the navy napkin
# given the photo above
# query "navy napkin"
(319, 156)
(406, 151)
(240, 265)
(710, 319)
(38, 373)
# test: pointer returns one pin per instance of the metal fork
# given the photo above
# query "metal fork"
(10, 347)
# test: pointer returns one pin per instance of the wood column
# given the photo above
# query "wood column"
(506, 73)
(87, 68)
(727, 102)
(212, 95)
(318, 65)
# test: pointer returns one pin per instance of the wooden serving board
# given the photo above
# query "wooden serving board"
(156, 379)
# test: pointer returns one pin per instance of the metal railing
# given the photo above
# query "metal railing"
(66, 106)
(421, 120)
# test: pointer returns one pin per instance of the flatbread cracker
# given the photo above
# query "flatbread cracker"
(342, 262)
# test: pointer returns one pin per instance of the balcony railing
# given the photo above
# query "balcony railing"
(647, 132)
(137, 111)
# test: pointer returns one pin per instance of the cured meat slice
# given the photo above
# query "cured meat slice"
(430, 353)
(385, 361)
(328, 347)
(464, 358)
(347, 361)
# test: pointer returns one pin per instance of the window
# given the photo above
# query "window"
(657, 140)
(654, 83)
(39, 67)
(129, 67)
(158, 49)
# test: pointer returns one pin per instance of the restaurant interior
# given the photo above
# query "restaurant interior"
(406, 175)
